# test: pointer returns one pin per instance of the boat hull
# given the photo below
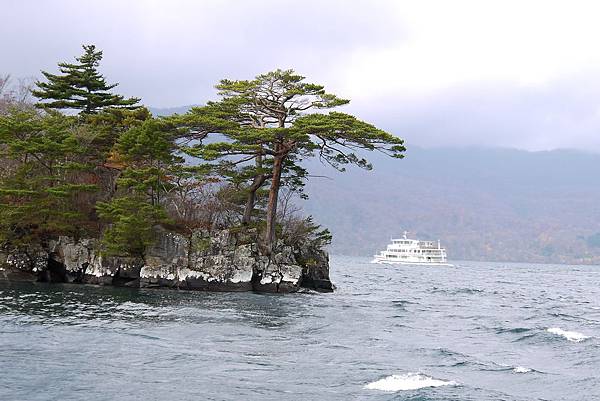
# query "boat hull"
(397, 262)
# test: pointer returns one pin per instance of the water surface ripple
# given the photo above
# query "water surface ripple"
(477, 331)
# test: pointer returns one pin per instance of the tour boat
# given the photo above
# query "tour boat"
(408, 251)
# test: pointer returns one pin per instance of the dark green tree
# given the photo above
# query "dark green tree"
(80, 86)
(106, 127)
(131, 222)
(148, 153)
(40, 197)
(150, 169)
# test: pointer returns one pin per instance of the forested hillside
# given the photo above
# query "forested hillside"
(484, 204)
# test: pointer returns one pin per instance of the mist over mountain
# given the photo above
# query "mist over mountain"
(167, 111)
(483, 204)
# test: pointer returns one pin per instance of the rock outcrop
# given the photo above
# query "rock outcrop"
(226, 260)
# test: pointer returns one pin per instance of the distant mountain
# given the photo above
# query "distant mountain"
(167, 111)
(484, 204)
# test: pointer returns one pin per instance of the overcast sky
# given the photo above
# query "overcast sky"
(522, 74)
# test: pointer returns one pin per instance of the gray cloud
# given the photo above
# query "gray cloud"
(172, 53)
(561, 114)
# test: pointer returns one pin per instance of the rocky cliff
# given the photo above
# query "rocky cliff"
(226, 260)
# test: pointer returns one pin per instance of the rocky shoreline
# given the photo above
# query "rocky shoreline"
(224, 260)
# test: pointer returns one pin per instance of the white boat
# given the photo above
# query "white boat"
(406, 251)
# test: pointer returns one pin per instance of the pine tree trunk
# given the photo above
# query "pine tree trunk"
(272, 205)
(251, 199)
(249, 206)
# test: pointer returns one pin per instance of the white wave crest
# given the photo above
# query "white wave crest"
(569, 335)
(409, 381)
(521, 369)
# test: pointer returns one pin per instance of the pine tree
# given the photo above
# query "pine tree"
(40, 196)
(240, 160)
(80, 87)
(274, 131)
(131, 230)
(148, 154)
(147, 157)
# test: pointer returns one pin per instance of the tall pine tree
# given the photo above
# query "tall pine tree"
(275, 130)
(80, 87)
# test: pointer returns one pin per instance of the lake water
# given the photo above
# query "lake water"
(477, 331)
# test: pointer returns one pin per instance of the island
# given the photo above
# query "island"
(94, 189)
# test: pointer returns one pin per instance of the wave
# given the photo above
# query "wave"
(572, 336)
(525, 337)
(409, 381)
(457, 291)
(521, 369)
(515, 330)
(402, 303)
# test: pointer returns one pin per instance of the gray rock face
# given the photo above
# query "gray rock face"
(23, 266)
(72, 260)
(221, 261)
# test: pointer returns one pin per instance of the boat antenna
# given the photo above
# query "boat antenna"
(405, 234)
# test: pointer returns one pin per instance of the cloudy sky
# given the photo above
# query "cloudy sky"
(522, 74)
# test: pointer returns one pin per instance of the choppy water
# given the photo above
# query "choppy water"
(479, 331)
